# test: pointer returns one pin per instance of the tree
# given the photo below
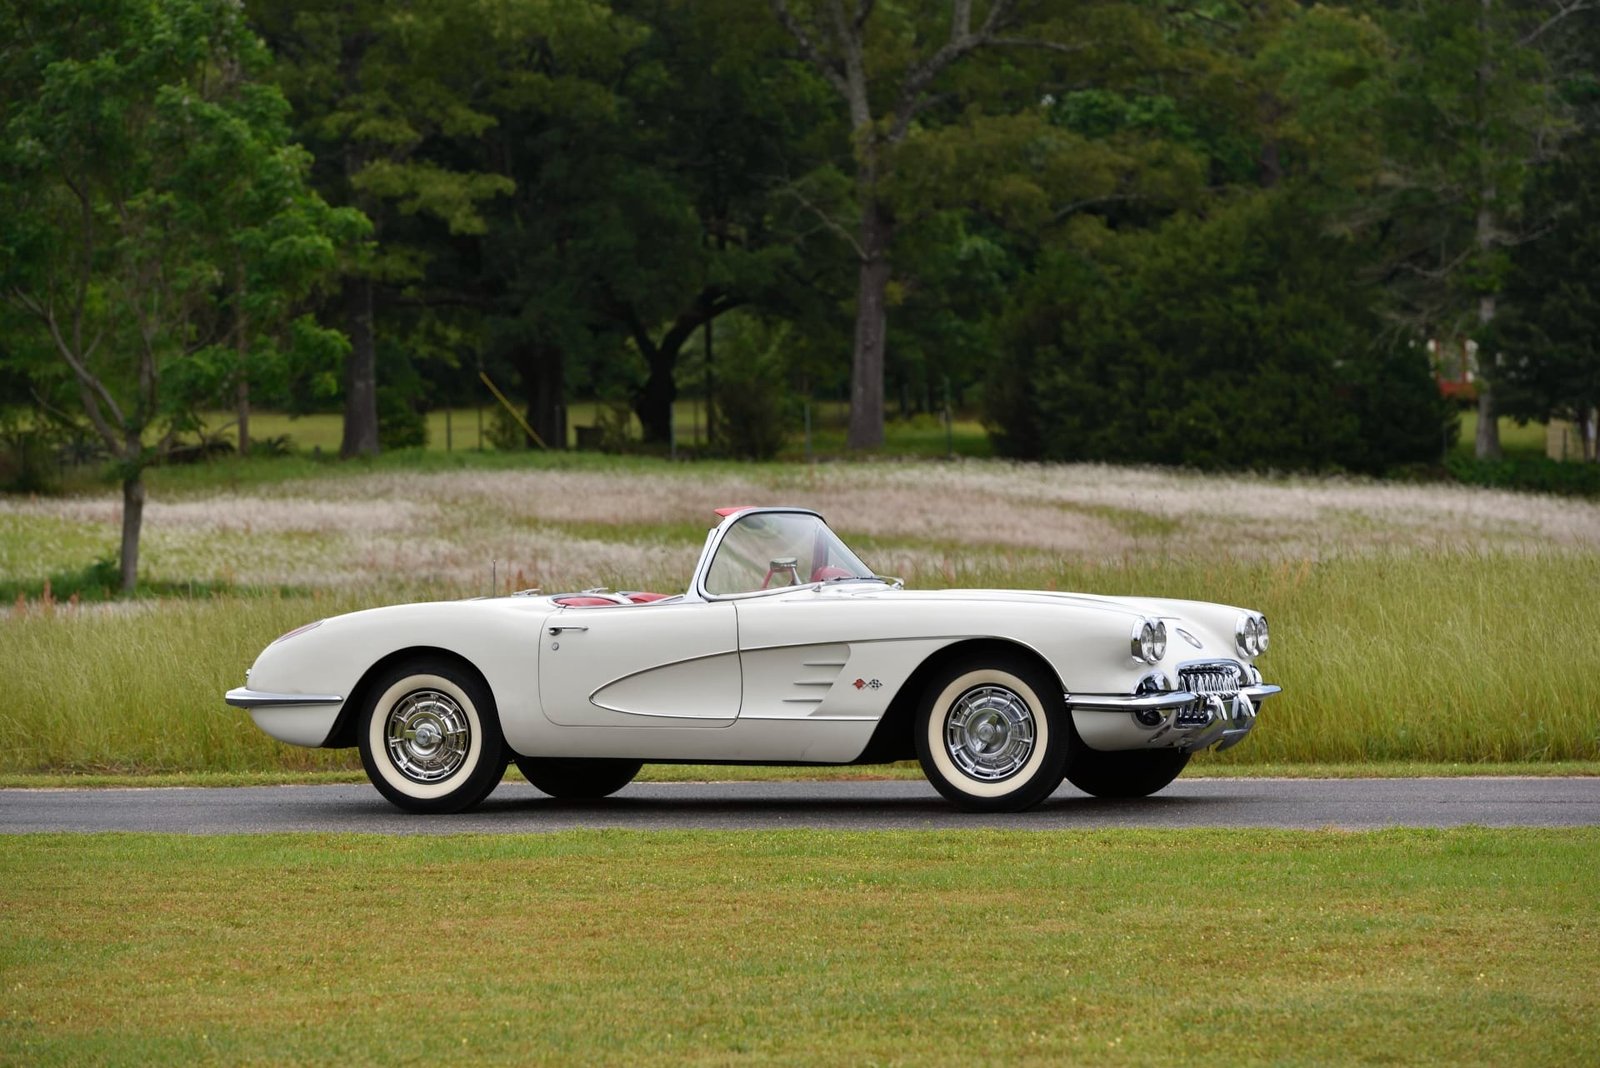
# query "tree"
(887, 72)
(385, 92)
(1550, 333)
(1235, 340)
(1475, 108)
(156, 224)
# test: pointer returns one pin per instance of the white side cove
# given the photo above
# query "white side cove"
(672, 664)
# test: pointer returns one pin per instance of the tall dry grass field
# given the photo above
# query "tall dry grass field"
(1410, 622)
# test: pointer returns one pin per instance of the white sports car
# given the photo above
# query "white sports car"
(784, 649)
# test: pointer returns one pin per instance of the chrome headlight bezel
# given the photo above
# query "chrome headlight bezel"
(1148, 643)
(1250, 634)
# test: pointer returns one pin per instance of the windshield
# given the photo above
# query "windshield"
(771, 550)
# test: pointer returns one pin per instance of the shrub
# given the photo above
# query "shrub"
(27, 460)
(1239, 340)
(1538, 474)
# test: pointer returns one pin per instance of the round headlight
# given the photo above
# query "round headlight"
(1245, 634)
(1160, 645)
(1261, 633)
(1143, 645)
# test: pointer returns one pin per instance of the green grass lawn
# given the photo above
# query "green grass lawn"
(467, 430)
(1525, 441)
(1107, 948)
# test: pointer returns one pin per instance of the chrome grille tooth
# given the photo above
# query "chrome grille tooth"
(1205, 679)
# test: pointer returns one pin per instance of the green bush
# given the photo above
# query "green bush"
(1234, 341)
(1538, 474)
(400, 424)
(27, 460)
(756, 407)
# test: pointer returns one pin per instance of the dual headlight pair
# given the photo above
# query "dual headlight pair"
(1250, 634)
(1149, 640)
(1149, 643)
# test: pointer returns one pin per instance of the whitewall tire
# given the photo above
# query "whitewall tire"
(430, 737)
(991, 734)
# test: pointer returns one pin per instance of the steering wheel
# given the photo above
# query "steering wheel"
(782, 564)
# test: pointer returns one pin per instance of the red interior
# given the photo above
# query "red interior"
(608, 602)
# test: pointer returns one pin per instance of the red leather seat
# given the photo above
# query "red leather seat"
(612, 600)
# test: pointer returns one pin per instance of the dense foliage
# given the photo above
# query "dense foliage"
(1217, 234)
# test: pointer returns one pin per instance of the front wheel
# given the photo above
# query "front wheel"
(991, 734)
(430, 740)
(578, 779)
(1136, 773)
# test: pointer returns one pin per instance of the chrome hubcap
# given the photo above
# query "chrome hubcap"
(989, 733)
(428, 736)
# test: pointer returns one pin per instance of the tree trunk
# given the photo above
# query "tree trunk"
(241, 345)
(872, 288)
(711, 390)
(653, 403)
(132, 521)
(243, 398)
(543, 374)
(1486, 446)
(360, 373)
(1487, 443)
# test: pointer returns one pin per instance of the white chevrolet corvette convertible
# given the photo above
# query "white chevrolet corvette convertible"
(784, 649)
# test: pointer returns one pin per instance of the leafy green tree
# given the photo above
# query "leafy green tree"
(1230, 341)
(1474, 108)
(889, 65)
(386, 94)
(154, 219)
(644, 138)
(1550, 333)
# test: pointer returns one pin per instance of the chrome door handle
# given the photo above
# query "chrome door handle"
(558, 630)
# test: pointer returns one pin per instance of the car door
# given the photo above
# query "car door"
(647, 665)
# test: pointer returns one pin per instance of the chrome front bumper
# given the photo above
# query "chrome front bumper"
(244, 697)
(297, 718)
(1175, 719)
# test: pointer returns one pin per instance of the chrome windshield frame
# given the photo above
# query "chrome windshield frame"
(697, 585)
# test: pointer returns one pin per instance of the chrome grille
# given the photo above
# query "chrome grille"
(1220, 677)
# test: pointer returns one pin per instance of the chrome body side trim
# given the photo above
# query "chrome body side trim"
(243, 697)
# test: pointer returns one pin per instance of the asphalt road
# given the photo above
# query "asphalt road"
(852, 806)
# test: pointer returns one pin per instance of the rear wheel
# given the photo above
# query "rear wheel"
(578, 779)
(430, 739)
(1137, 773)
(991, 734)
